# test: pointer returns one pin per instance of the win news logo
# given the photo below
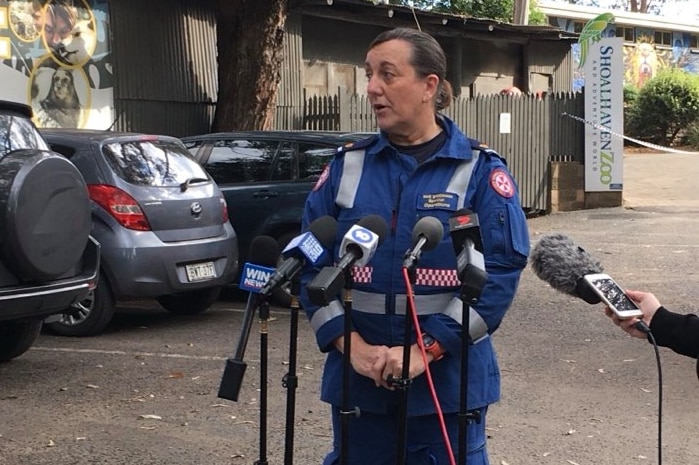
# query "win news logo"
(254, 277)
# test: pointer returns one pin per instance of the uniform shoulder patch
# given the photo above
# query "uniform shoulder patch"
(357, 145)
(323, 178)
(477, 145)
(502, 183)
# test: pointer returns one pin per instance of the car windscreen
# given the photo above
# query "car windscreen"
(18, 133)
(156, 163)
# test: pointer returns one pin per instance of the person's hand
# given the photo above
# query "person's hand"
(366, 359)
(394, 364)
(648, 304)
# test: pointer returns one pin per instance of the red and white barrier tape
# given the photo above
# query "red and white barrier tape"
(659, 148)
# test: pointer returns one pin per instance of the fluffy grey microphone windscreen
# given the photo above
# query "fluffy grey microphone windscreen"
(556, 260)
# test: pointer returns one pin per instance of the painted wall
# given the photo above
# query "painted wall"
(55, 56)
(642, 59)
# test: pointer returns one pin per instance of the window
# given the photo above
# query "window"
(663, 38)
(238, 161)
(578, 26)
(18, 133)
(694, 41)
(312, 160)
(626, 33)
(157, 163)
(284, 166)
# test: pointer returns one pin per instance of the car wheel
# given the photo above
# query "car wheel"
(16, 337)
(88, 317)
(282, 294)
(190, 303)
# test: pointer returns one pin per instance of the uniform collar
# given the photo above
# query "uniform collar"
(457, 145)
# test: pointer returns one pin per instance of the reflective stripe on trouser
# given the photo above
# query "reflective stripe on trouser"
(373, 440)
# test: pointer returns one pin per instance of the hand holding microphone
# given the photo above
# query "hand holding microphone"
(649, 305)
(569, 269)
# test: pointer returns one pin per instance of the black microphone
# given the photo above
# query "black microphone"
(556, 260)
(357, 248)
(465, 232)
(264, 253)
(309, 247)
(427, 233)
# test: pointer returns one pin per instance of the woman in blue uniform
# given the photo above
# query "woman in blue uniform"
(419, 164)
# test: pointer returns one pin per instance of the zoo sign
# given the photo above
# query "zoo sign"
(603, 65)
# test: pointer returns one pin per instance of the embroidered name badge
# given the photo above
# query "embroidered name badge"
(442, 201)
(501, 182)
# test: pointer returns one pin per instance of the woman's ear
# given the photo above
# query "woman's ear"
(431, 87)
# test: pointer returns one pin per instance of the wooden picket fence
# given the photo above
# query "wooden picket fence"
(528, 131)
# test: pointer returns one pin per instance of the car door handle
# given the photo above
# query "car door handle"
(265, 194)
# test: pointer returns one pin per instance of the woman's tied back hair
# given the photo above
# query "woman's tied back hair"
(427, 58)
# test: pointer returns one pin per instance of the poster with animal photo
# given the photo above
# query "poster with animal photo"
(58, 61)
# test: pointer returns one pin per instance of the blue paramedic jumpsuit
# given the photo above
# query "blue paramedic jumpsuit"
(372, 177)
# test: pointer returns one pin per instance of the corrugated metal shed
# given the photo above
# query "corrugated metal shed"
(169, 87)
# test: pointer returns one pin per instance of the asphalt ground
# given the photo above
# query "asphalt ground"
(576, 390)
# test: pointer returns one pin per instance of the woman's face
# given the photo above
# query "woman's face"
(402, 101)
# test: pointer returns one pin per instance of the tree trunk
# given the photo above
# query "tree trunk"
(249, 35)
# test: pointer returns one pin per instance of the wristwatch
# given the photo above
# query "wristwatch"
(432, 347)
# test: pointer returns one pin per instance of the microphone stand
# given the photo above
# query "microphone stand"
(345, 413)
(290, 381)
(470, 294)
(264, 318)
(464, 415)
(403, 384)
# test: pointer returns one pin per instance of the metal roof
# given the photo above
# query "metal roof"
(380, 14)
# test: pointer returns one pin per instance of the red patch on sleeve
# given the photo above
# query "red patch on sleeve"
(323, 177)
(501, 183)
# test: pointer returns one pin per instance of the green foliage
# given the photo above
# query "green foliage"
(665, 107)
(630, 97)
(693, 135)
(536, 16)
(502, 10)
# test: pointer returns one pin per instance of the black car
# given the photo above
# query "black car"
(265, 177)
(48, 261)
(160, 218)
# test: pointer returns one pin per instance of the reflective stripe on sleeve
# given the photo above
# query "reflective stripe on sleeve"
(446, 304)
(461, 178)
(325, 314)
(477, 327)
(353, 164)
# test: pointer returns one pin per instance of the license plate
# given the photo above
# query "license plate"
(200, 271)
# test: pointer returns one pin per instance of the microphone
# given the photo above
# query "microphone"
(308, 247)
(265, 251)
(357, 248)
(465, 232)
(427, 233)
(360, 242)
(556, 260)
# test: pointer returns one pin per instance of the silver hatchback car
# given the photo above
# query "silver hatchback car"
(161, 220)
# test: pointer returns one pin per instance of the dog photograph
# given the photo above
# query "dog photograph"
(58, 97)
(69, 31)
